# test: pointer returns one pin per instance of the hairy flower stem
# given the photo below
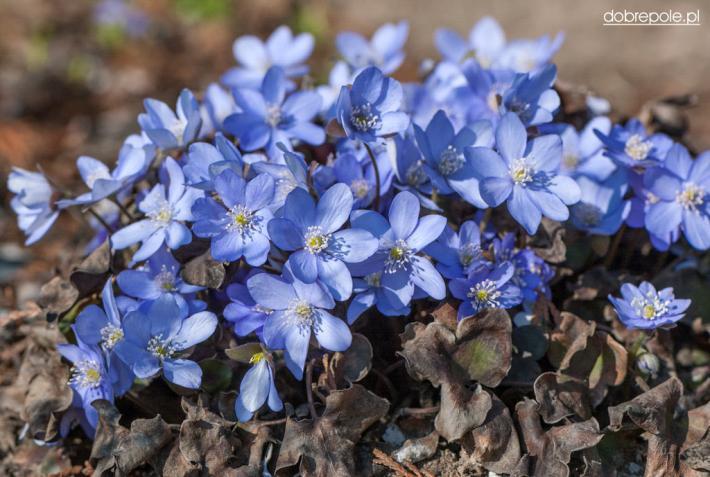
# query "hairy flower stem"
(309, 389)
(101, 220)
(377, 176)
(614, 248)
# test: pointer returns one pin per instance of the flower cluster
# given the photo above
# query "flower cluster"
(400, 211)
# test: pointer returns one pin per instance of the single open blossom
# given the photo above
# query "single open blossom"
(155, 338)
(320, 249)
(159, 276)
(255, 57)
(449, 170)
(205, 161)
(132, 163)
(601, 209)
(645, 308)
(359, 177)
(165, 216)
(257, 386)
(525, 174)
(681, 187)
(369, 292)
(583, 153)
(32, 203)
(486, 286)
(532, 97)
(237, 225)
(631, 146)
(101, 325)
(487, 42)
(401, 237)
(298, 310)
(384, 50)
(531, 273)
(168, 129)
(246, 315)
(370, 108)
(456, 252)
(269, 117)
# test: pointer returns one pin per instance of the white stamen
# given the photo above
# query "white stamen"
(399, 256)
(450, 161)
(364, 118)
(316, 241)
(521, 172)
(484, 295)
(86, 374)
(636, 148)
(691, 197)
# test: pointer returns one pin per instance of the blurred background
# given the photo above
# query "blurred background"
(73, 74)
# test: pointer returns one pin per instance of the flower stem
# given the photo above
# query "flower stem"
(309, 388)
(101, 220)
(377, 176)
(614, 248)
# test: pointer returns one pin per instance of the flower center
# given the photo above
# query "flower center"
(110, 336)
(301, 314)
(484, 295)
(178, 129)
(161, 348)
(256, 358)
(587, 214)
(273, 115)
(468, 253)
(359, 188)
(691, 197)
(415, 175)
(399, 256)
(521, 172)
(636, 148)
(162, 214)
(242, 220)
(165, 280)
(86, 374)
(450, 161)
(650, 307)
(374, 279)
(570, 160)
(364, 118)
(493, 101)
(316, 241)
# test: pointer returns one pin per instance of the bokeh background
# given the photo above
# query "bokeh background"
(73, 74)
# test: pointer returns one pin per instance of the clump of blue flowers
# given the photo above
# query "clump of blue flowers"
(320, 207)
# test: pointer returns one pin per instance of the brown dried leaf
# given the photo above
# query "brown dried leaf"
(56, 297)
(324, 446)
(204, 271)
(461, 410)
(553, 449)
(484, 347)
(352, 365)
(427, 350)
(416, 450)
(695, 452)
(550, 245)
(560, 396)
(91, 274)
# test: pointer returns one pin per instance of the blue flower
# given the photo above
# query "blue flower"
(155, 338)
(238, 224)
(601, 209)
(243, 312)
(204, 162)
(410, 174)
(256, 388)
(32, 203)
(400, 240)
(370, 109)
(444, 161)
(282, 49)
(525, 174)
(167, 129)
(268, 117)
(532, 98)
(299, 309)
(681, 188)
(340, 75)
(630, 146)
(384, 50)
(455, 253)
(217, 105)
(320, 249)
(165, 216)
(583, 152)
(287, 177)
(368, 293)
(97, 326)
(349, 171)
(645, 308)
(160, 276)
(90, 376)
(487, 286)
(133, 162)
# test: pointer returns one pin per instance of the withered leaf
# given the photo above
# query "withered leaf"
(415, 450)
(56, 297)
(553, 449)
(695, 452)
(324, 446)
(352, 365)
(550, 246)
(484, 346)
(204, 271)
(495, 444)
(91, 274)
(560, 396)
(427, 350)
(461, 409)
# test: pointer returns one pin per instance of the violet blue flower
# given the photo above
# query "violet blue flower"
(243, 312)
(455, 253)
(630, 146)
(384, 50)
(165, 216)
(532, 97)
(32, 203)
(238, 224)
(525, 174)
(299, 309)
(486, 287)
(645, 308)
(205, 161)
(320, 249)
(168, 129)
(155, 338)
(601, 209)
(257, 387)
